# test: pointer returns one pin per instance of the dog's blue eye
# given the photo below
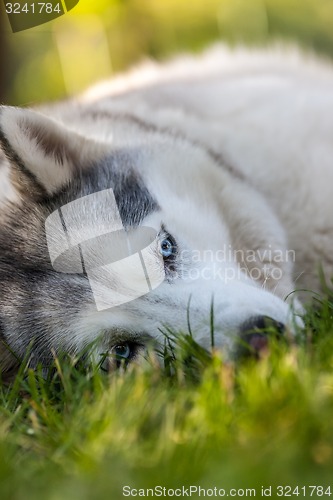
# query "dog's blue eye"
(122, 351)
(167, 247)
(119, 356)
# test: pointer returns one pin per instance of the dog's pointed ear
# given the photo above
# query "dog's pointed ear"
(42, 152)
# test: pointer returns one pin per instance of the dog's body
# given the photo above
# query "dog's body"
(228, 157)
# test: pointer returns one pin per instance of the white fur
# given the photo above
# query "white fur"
(270, 114)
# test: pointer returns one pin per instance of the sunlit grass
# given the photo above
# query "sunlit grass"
(194, 420)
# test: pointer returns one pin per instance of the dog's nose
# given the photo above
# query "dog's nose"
(255, 334)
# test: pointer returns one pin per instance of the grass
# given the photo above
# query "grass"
(197, 420)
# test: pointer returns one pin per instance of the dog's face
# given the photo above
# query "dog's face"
(214, 243)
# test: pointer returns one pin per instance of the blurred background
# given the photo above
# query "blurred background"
(99, 38)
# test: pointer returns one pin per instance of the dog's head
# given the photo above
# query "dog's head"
(210, 239)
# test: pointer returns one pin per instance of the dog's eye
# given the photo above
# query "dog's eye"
(119, 355)
(122, 351)
(167, 247)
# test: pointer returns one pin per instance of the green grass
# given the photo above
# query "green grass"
(195, 421)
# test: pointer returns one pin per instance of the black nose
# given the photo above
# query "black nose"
(255, 334)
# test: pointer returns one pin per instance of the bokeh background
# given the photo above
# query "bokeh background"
(102, 37)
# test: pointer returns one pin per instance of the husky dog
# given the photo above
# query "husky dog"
(227, 158)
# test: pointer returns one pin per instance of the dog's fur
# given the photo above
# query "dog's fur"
(232, 150)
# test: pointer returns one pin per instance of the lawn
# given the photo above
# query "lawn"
(196, 421)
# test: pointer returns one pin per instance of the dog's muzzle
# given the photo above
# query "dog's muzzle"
(255, 334)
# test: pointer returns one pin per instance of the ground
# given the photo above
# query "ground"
(196, 421)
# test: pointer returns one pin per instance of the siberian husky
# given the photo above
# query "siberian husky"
(226, 159)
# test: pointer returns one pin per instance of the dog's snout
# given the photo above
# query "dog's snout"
(255, 334)
(262, 324)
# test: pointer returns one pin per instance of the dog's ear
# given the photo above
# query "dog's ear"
(42, 152)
